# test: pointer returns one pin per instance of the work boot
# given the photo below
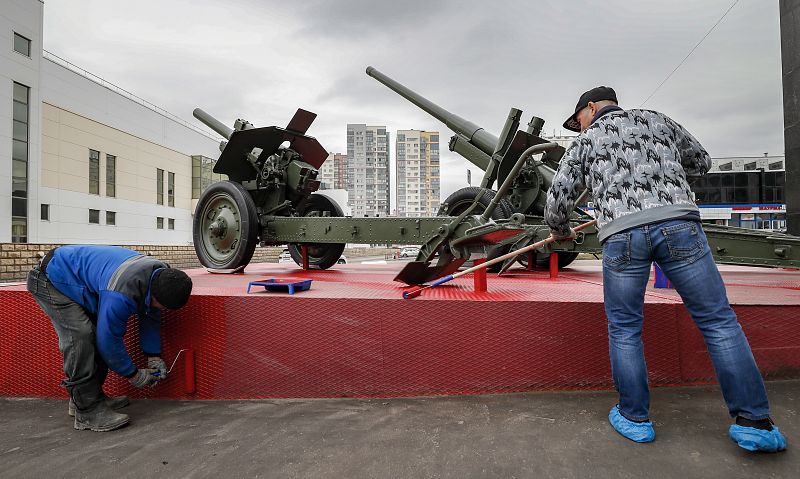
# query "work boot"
(100, 418)
(114, 402)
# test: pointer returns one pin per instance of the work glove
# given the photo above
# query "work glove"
(144, 377)
(154, 362)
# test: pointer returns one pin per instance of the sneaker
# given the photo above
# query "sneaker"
(635, 431)
(114, 402)
(754, 439)
(101, 418)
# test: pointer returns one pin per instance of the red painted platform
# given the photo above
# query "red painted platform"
(352, 334)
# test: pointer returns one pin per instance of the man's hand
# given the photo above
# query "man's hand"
(558, 237)
(154, 362)
(144, 377)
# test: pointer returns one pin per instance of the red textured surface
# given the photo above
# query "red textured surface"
(351, 334)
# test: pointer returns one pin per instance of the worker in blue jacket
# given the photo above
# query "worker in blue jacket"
(89, 292)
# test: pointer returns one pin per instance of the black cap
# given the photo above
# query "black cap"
(171, 287)
(599, 93)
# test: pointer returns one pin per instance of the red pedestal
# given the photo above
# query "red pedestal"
(531, 260)
(351, 335)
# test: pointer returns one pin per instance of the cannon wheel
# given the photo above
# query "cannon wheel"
(461, 199)
(320, 255)
(225, 226)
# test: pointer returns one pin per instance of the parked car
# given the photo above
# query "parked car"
(342, 260)
(285, 257)
(409, 252)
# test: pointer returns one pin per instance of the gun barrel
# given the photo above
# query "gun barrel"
(479, 137)
(213, 123)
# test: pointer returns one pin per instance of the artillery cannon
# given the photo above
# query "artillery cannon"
(271, 198)
(496, 156)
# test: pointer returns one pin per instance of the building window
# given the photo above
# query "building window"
(22, 45)
(203, 175)
(19, 164)
(45, 213)
(111, 218)
(159, 186)
(94, 217)
(111, 176)
(171, 223)
(94, 172)
(171, 189)
(160, 223)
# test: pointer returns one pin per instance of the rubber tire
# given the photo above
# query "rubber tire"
(320, 255)
(249, 225)
(459, 200)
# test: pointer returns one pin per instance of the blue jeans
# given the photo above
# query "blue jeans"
(681, 250)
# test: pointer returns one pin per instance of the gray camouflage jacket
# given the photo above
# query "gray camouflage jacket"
(635, 164)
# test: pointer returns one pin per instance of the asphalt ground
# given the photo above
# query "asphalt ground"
(530, 435)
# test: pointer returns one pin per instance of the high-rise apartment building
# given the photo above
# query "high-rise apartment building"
(418, 182)
(368, 170)
(333, 174)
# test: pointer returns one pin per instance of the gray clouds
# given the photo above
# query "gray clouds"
(261, 60)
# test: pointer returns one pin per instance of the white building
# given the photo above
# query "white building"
(562, 140)
(418, 181)
(368, 170)
(82, 161)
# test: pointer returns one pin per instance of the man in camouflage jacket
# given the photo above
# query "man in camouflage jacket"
(635, 164)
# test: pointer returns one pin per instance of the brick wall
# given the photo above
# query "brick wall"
(17, 259)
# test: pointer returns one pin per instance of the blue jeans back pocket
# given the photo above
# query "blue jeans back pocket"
(617, 251)
(685, 241)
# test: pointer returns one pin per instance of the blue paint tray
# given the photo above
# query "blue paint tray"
(282, 284)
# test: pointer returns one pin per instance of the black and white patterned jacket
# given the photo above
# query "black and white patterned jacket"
(635, 164)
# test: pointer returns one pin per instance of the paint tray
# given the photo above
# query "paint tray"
(291, 285)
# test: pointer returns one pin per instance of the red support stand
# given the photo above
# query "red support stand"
(531, 260)
(553, 265)
(479, 277)
(304, 252)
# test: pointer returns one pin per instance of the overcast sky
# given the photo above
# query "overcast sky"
(261, 60)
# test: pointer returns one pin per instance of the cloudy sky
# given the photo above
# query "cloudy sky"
(262, 59)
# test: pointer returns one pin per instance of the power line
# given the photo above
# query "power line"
(690, 52)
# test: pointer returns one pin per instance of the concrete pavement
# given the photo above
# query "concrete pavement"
(536, 435)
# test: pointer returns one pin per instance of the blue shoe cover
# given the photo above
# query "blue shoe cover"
(754, 439)
(635, 431)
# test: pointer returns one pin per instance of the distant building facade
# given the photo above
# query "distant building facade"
(747, 192)
(368, 170)
(418, 172)
(333, 173)
(562, 140)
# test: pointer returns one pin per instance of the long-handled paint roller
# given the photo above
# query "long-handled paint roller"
(416, 292)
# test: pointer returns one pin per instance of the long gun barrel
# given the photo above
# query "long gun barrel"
(476, 135)
(213, 123)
